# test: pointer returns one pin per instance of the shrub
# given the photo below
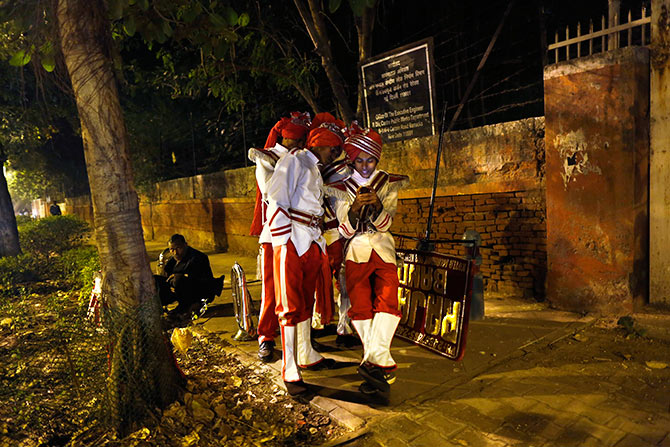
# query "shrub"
(78, 266)
(52, 235)
(18, 269)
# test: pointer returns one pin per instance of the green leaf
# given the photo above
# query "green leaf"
(220, 49)
(244, 19)
(48, 62)
(116, 9)
(231, 16)
(334, 5)
(357, 6)
(47, 47)
(218, 21)
(129, 25)
(144, 4)
(19, 59)
(192, 12)
(167, 29)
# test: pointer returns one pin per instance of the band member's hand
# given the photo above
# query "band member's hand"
(369, 198)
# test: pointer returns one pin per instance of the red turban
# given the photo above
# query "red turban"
(362, 140)
(326, 130)
(294, 127)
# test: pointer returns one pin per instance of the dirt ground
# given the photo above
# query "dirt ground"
(50, 365)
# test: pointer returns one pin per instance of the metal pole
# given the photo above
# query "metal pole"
(437, 173)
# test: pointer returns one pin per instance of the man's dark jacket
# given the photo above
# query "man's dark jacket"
(194, 264)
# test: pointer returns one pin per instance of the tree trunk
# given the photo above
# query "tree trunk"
(142, 372)
(9, 235)
(316, 28)
(364, 27)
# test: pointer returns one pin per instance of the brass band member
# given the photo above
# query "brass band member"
(366, 205)
(292, 131)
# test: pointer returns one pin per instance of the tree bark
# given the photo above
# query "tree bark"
(364, 27)
(9, 235)
(141, 356)
(318, 33)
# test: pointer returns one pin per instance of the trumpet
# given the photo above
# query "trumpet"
(243, 305)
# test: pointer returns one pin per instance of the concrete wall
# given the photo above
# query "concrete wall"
(597, 143)
(659, 174)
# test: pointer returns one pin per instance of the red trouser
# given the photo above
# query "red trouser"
(267, 319)
(335, 255)
(372, 287)
(295, 281)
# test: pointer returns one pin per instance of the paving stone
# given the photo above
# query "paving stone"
(351, 421)
(631, 440)
(430, 438)
(519, 403)
(598, 416)
(445, 425)
(650, 434)
(513, 434)
(392, 442)
(527, 422)
(550, 431)
(324, 404)
(469, 437)
(607, 435)
(485, 406)
(557, 417)
(401, 427)
(571, 436)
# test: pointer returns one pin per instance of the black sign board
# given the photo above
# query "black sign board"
(434, 296)
(398, 92)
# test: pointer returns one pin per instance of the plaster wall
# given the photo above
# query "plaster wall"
(597, 148)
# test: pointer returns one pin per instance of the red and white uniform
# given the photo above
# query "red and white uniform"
(295, 213)
(266, 160)
(370, 263)
(335, 172)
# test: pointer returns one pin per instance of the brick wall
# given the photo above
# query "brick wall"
(512, 227)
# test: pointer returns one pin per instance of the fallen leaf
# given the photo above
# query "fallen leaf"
(6, 321)
(190, 439)
(182, 338)
(235, 381)
(579, 337)
(656, 365)
(247, 413)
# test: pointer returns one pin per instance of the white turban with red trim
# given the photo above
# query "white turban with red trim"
(362, 140)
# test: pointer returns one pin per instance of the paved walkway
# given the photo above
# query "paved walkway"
(503, 393)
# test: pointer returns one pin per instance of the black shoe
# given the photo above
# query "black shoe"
(367, 389)
(347, 340)
(266, 351)
(376, 376)
(326, 363)
(296, 388)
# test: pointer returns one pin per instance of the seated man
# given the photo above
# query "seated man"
(189, 277)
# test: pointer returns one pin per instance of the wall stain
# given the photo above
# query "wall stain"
(572, 150)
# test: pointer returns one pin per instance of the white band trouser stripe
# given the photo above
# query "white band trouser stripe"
(282, 282)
